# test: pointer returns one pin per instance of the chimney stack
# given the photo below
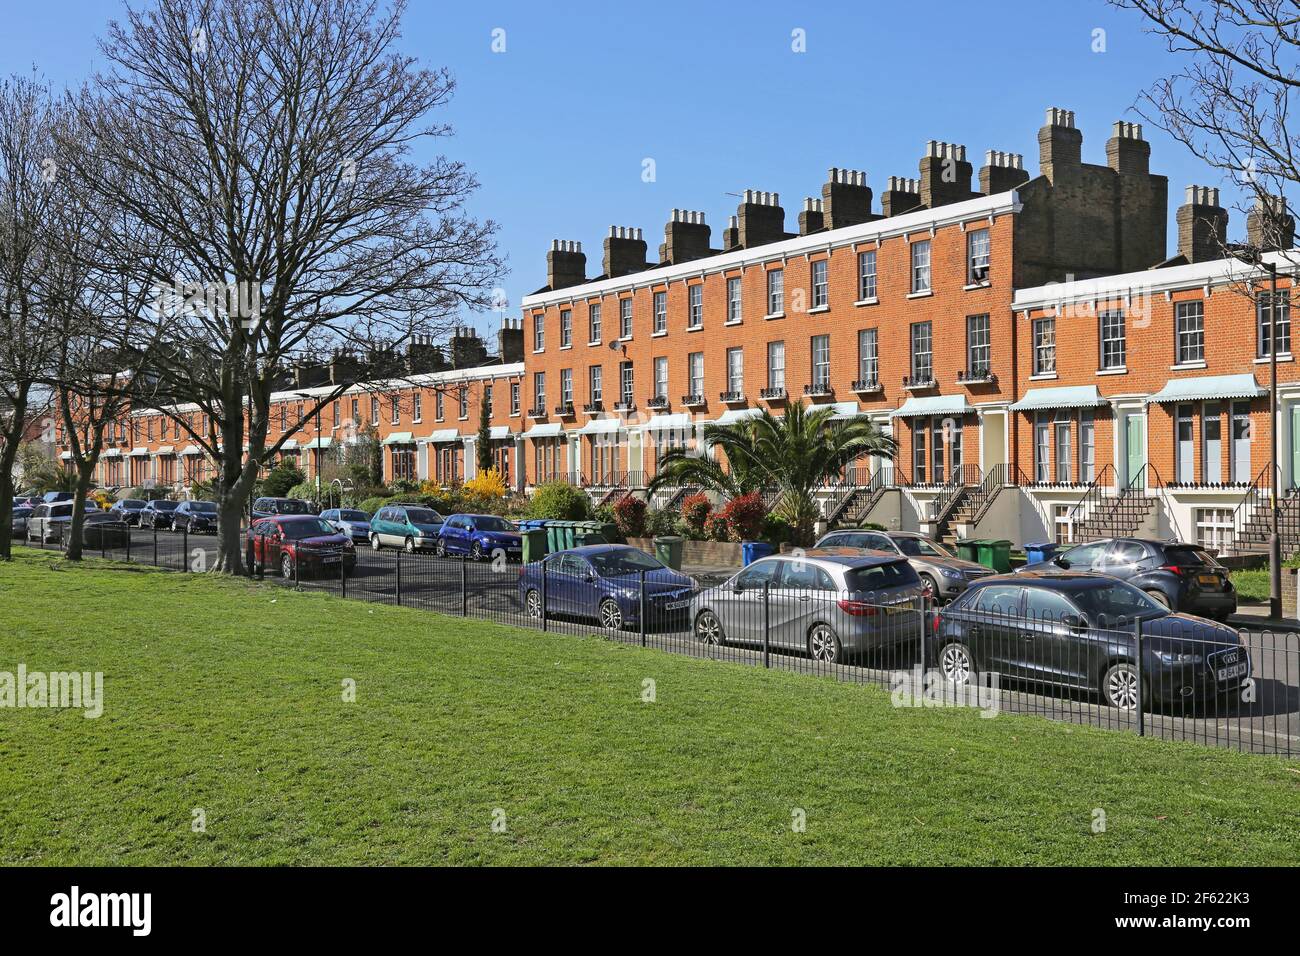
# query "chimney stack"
(812, 218)
(945, 174)
(467, 349)
(902, 195)
(731, 235)
(846, 198)
(1060, 145)
(510, 341)
(686, 237)
(1126, 151)
(1269, 227)
(625, 251)
(566, 264)
(761, 218)
(1202, 225)
(1002, 172)
(423, 356)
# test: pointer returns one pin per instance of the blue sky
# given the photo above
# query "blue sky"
(557, 127)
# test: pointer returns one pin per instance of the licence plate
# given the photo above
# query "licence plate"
(1211, 579)
(1236, 670)
(333, 560)
(676, 605)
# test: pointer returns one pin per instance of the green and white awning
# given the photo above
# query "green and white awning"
(669, 423)
(544, 430)
(844, 411)
(737, 415)
(442, 435)
(324, 441)
(932, 405)
(138, 452)
(1066, 396)
(166, 450)
(1203, 388)
(290, 445)
(602, 426)
(500, 433)
(398, 438)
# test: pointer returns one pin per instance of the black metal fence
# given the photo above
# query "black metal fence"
(1081, 658)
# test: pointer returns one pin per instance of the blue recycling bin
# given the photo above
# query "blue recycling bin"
(1040, 551)
(751, 551)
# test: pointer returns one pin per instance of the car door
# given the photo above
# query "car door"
(802, 595)
(1055, 640)
(454, 530)
(1124, 559)
(561, 584)
(36, 523)
(382, 526)
(739, 602)
(1085, 557)
(993, 629)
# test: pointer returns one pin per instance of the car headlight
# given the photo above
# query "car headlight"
(1170, 657)
(950, 573)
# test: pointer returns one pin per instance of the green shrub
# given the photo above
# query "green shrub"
(664, 521)
(717, 527)
(777, 530)
(306, 490)
(281, 478)
(560, 501)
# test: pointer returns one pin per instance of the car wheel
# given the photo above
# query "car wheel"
(286, 567)
(533, 603)
(476, 551)
(1159, 597)
(956, 664)
(409, 545)
(823, 644)
(374, 542)
(708, 629)
(930, 587)
(441, 549)
(1119, 686)
(611, 615)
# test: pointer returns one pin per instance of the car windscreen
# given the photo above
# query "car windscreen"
(61, 511)
(204, 507)
(1189, 557)
(490, 523)
(353, 516)
(423, 516)
(890, 575)
(132, 504)
(609, 564)
(307, 529)
(290, 507)
(920, 548)
(1110, 603)
(164, 505)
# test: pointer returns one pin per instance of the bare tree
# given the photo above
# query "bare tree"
(26, 340)
(272, 141)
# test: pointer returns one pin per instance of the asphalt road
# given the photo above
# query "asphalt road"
(1269, 724)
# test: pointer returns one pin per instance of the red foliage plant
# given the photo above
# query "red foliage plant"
(696, 509)
(745, 516)
(630, 516)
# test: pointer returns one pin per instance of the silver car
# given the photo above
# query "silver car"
(47, 522)
(829, 602)
(20, 516)
(942, 574)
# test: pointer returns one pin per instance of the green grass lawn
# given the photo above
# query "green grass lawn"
(1251, 585)
(227, 696)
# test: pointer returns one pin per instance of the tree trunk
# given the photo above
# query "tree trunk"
(7, 458)
(233, 486)
(72, 546)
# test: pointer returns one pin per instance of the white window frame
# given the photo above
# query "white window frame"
(920, 271)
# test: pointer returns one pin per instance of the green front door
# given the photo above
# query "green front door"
(1295, 446)
(1135, 442)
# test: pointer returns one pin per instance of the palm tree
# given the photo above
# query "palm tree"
(796, 454)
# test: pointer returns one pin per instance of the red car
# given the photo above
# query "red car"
(301, 544)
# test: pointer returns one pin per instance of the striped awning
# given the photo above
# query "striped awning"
(191, 450)
(933, 405)
(323, 441)
(544, 430)
(668, 423)
(399, 438)
(443, 435)
(602, 426)
(166, 450)
(137, 453)
(1068, 396)
(737, 415)
(1203, 388)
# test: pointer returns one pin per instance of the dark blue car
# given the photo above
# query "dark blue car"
(603, 581)
(479, 536)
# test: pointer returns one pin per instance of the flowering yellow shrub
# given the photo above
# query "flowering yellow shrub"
(488, 484)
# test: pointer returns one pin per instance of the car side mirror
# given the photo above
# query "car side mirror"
(1073, 621)
(590, 578)
(1061, 562)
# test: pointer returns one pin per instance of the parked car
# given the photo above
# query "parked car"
(20, 515)
(195, 517)
(272, 507)
(603, 582)
(27, 501)
(943, 575)
(47, 521)
(157, 514)
(300, 544)
(830, 602)
(413, 527)
(1182, 577)
(128, 510)
(50, 497)
(352, 522)
(1077, 630)
(479, 536)
(104, 530)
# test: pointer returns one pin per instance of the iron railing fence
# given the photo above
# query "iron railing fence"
(1006, 648)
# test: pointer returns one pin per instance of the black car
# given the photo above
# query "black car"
(275, 507)
(157, 514)
(1182, 577)
(1079, 631)
(195, 517)
(127, 510)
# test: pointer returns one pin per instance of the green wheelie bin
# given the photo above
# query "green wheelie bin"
(668, 549)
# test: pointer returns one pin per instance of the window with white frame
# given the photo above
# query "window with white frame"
(1042, 449)
(417, 407)
(978, 344)
(869, 355)
(566, 328)
(462, 399)
(921, 266)
(626, 385)
(977, 256)
(736, 370)
(394, 410)
(776, 365)
(1113, 341)
(775, 291)
(660, 313)
(695, 306)
(733, 299)
(821, 362)
(539, 391)
(1214, 527)
(661, 376)
(1045, 346)
(374, 411)
(1087, 445)
(1264, 321)
(695, 373)
(922, 352)
(1062, 525)
(437, 406)
(594, 384)
(867, 275)
(1064, 453)
(514, 398)
(566, 386)
(593, 323)
(539, 332)
(1189, 322)
(625, 318)
(820, 287)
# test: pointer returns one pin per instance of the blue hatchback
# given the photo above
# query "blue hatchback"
(603, 581)
(479, 536)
